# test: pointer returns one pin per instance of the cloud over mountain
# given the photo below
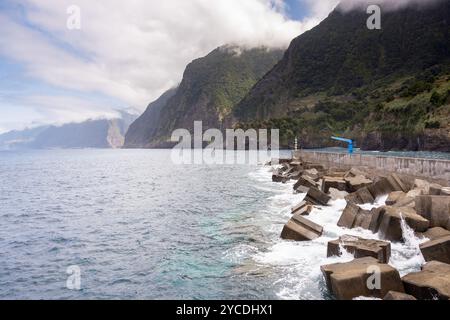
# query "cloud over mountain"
(130, 51)
(133, 50)
(390, 5)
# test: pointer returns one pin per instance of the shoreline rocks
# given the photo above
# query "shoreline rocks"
(305, 181)
(437, 250)
(433, 282)
(394, 295)
(384, 186)
(387, 221)
(435, 233)
(350, 280)
(333, 182)
(390, 227)
(360, 247)
(434, 208)
(315, 196)
(395, 197)
(354, 216)
(301, 229)
(354, 183)
(303, 209)
(417, 204)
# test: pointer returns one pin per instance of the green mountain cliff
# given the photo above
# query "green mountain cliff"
(387, 89)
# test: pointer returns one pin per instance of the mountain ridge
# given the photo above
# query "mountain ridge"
(92, 133)
(211, 87)
(386, 89)
(342, 79)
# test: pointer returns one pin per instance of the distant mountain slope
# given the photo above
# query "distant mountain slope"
(375, 86)
(144, 128)
(210, 89)
(15, 138)
(103, 133)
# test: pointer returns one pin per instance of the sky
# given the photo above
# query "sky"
(125, 53)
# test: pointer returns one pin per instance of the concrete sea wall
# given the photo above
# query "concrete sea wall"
(426, 168)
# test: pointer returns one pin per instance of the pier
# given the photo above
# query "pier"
(435, 169)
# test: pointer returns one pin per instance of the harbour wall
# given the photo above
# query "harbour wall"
(417, 167)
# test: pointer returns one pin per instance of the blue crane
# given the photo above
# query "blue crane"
(349, 141)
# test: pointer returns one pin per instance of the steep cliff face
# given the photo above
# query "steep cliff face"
(210, 89)
(428, 140)
(375, 86)
(143, 130)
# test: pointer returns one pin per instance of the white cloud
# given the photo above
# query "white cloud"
(134, 50)
(319, 10)
(137, 48)
(35, 110)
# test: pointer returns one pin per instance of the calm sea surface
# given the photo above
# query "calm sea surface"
(140, 227)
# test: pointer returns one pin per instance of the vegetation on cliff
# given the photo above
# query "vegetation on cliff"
(210, 89)
(387, 89)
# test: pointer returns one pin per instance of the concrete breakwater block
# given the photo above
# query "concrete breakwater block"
(313, 174)
(314, 196)
(434, 208)
(305, 181)
(354, 183)
(438, 190)
(295, 175)
(433, 282)
(382, 187)
(333, 182)
(390, 227)
(435, 233)
(437, 249)
(286, 172)
(395, 197)
(355, 172)
(278, 176)
(303, 208)
(365, 195)
(387, 221)
(301, 229)
(398, 183)
(350, 280)
(361, 196)
(354, 216)
(394, 295)
(360, 248)
(316, 166)
(405, 202)
(337, 173)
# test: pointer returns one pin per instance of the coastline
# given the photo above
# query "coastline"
(409, 244)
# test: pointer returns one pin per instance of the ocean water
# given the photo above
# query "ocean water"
(139, 227)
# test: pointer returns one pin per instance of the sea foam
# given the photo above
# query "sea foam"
(298, 263)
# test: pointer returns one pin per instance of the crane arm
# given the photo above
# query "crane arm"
(349, 141)
(342, 139)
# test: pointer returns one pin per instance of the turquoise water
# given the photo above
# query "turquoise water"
(139, 227)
